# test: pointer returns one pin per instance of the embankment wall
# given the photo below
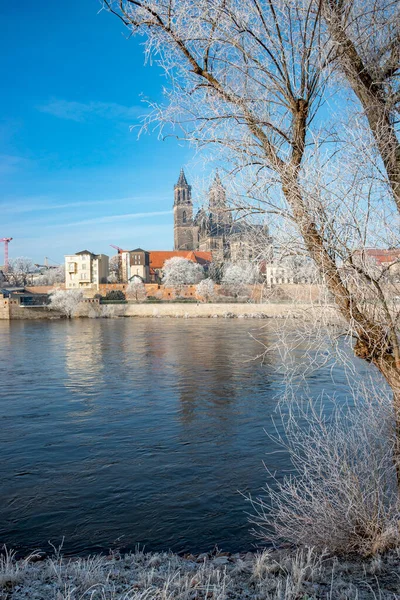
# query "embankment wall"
(258, 293)
(246, 310)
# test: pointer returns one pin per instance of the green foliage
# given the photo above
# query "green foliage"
(115, 295)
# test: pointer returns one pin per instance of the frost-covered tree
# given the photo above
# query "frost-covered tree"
(302, 98)
(238, 277)
(299, 269)
(215, 271)
(52, 276)
(113, 278)
(178, 272)
(20, 271)
(206, 289)
(66, 301)
(136, 290)
(114, 267)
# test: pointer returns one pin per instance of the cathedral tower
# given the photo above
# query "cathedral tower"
(218, 205)
(184, 230)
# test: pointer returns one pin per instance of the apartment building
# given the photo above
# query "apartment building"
(135, 263)
(85, 270)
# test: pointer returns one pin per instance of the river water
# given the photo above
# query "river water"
(121, 432)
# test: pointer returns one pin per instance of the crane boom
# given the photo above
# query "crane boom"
(6, 242)
(117, 248)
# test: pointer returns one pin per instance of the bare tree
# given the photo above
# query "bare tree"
(238, 277)
(66, 301)
(301, 97)
(366, 36)
(178, 272)
(114, 266)
(136, 290)
(20, 271)
(206, 290)
(52, 276)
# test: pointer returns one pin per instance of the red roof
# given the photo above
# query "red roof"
(158, 257)
(381, 256)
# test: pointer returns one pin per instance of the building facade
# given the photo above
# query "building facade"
(213, 228)
(85, 270)
(135, 263)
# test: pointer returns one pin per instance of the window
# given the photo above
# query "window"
(184, 216)
(84, 267)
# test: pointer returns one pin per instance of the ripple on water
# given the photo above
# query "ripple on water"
(119, 432)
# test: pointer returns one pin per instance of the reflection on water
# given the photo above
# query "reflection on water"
(119, 432)
(84, 368)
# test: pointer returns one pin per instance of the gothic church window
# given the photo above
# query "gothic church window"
(184, 216)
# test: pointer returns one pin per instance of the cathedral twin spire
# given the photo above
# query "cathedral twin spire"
(183, 191)
(210, 226)
(182, 179)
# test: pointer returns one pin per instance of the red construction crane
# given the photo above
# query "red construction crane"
(6, 242)
(117, 248)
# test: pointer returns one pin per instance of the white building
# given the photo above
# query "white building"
(275, 275)
(135, 263)
(85, 270)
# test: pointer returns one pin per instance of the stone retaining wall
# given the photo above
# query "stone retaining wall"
(299, 311)
(258, 293)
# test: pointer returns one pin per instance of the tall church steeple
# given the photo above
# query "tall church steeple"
(218, 205)
(183, 191)
(183, 215)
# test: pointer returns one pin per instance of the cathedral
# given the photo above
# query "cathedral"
(212, 229)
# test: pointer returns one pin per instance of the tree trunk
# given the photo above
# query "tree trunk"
(373, 344)
(369, 90)
(392, 376)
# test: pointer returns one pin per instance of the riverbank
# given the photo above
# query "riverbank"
(12, 310)
(266, 575)
(299, 312)
(237, 310)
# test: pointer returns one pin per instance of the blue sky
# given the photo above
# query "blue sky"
(72, 173)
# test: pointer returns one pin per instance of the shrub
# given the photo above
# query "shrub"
(115, 295)
(178, 272)
(66, 301)
(206, 289)
(238, 277)
(343, 493)
(136, 290)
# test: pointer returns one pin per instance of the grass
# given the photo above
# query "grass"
(298, 575)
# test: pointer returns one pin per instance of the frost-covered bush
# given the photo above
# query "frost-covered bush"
(66, 301)
(238, 276)
(114, 267)
(206, 290)
(113, 278)
(136, 290)
(178, 272)
(52, 276)
(342, 493)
